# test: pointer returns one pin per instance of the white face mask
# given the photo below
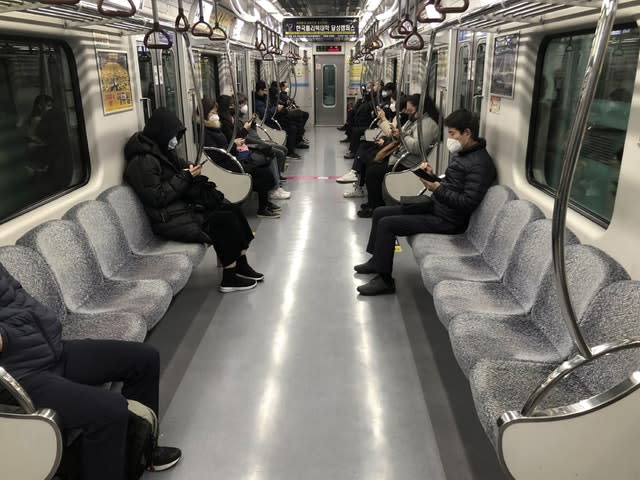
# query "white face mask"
(385, 94)
(393, 107)
(453, 145)
(286, 90)
(214, 117)
(244, 109)
(173, 143)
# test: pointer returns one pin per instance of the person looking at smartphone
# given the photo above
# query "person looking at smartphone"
(468, 177)
(184, 205)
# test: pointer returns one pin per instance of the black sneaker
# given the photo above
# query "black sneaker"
(342, 128)
(345, 140)
(365, 213)
(302, 145)
(236, 283)
(365, 268)
(377, 286)
(267, 213)
(294, 155)
(273, 207)
(364, 205)
(349, 155)
(163, 458)
(249, 273)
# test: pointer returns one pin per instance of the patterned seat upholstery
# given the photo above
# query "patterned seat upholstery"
(137, 228)
(540, 336)
(118, 262)
(31, 270)
(67, 250)
(512, 296)
(490, 264)
(474, 240)
(499, 386)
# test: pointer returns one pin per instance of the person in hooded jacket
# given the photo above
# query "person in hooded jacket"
(468, 177)
(182, 204)
(67, 376)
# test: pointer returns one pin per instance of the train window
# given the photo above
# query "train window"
(560, 73)
(462, 76)
(209, 76)
(43, 151)
(329, 85)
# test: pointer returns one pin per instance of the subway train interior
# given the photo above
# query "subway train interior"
(505, 349)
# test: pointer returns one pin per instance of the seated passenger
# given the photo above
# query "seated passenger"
(255, 164)
(183, 205)
(267, 108)
(408, 157)
(66, 376)
(295, 114)
(469, 175)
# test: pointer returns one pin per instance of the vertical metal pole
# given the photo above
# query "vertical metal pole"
(235, 95)
(423, 95)
(198, 99)
(574, 144)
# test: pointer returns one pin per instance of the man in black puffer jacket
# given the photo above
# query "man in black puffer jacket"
(66, 376)
(183, 205)
(467, 178)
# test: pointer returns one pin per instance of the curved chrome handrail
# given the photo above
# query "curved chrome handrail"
(574, 144)
(16, 391)
(228, 154)
(571, 365)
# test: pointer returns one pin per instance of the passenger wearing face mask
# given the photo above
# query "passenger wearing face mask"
(468, 177)
(295, 114)
(182, 204)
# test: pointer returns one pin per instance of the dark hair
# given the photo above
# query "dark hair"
(39, 104)
(429, 106)
(462, 120)
(282, 84)
(260, 85)
(208, 104)
(401, 103)
(224, 106)
(242, 98)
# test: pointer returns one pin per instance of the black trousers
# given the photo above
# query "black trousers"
(391, 222)
(73, 388)
(229, 231)
(374, 180)
(354, 138)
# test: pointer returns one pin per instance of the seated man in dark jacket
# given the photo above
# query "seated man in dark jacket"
(183, 205)
(66, 376)
(467, 178)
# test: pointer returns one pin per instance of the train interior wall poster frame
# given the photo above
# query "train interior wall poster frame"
(505, 59)
(115, 82)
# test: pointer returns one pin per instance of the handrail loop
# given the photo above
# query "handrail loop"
(153, 38)
(406, 25)
(182, 22)
(201, 28)
(117, 13)
(408, 43)
(222, 35)
(574, 144)
(463, 8)
(423, 14)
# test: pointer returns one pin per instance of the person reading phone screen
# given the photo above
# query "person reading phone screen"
(454, 198)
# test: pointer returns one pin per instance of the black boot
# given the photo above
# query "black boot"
(232, 282)
(244, 270)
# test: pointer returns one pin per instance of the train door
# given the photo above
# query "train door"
(329, 85)
(469, 74)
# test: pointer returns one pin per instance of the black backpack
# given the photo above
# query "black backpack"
(142, 433)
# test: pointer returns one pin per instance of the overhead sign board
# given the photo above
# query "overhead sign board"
(329, 29)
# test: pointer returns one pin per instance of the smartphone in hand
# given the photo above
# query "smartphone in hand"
(427, 176)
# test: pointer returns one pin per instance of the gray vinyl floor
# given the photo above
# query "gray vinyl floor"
(301, 379)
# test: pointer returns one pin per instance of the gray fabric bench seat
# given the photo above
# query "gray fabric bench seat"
(476, 236)
(541, 335)
(516, 293)
(499, 386)
(118, 262)
(491, 263)
(67, 250)
(137, 228)
(31, 270)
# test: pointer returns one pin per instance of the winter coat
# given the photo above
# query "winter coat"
(175, 202)
(430, 134)
(467, 178)
(31, 333)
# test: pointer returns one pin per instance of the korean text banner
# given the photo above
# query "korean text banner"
(330, 29)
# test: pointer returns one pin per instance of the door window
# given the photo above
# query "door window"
(329, 85)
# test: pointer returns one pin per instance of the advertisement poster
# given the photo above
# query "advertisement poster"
(115, 83)
(505, 58)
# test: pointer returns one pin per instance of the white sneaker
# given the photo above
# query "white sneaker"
(356, 192)
(279, 194)
(350, 177)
